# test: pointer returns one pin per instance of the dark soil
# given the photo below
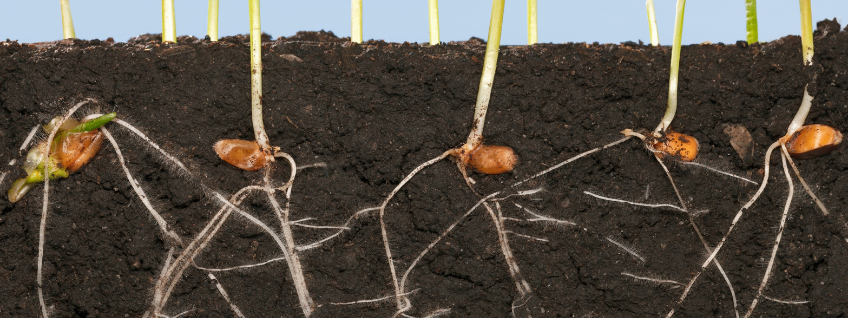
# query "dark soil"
(375, 111)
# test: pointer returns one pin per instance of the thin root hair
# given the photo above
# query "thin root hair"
(660, 205)
(375, 300)
(342, 228)
(657, 281)
(787, 302)
(716, 170)
(629, 250)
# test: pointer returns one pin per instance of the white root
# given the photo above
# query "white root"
(654, 280)
(629, 250)
(45, 204)
(770, 266)
(402, 301)
(660, 205)
(171, 236)
(570, 160)
(225, 295)
(503, 240)
(730, 229)
(803, 183)
(695, 164)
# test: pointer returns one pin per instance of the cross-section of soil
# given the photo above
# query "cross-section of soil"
(373, 112)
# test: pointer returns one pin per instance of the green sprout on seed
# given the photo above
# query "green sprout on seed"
(532, 23)
(807, 31)
(751, 28)
(652, 23)
(356, 21)
(67, 21)
(169, 23)
(434, 21)
(212, 21)
(66, 154)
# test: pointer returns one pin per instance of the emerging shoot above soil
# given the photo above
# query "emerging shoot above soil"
(356, 21)
(433, 6)
(67, 21)
(212, 21)
(169, 22)
(751, 29)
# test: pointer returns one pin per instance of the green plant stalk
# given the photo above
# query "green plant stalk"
(652, 23)
(807, 31)
(751, 21)
(356, 21)
(212, 24)
(484, 92)
(434, 22)
(674, 69)
(67, 21)
(169, 24)
(256, 77)
(532, 23)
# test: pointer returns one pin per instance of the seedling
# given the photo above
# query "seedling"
(800, 141)
(212, 21)
(75, 144)
(169, 23)
(532, 23)
(652, 23)
(433, 6)
(67, 22)
(751, 29)
(473, 154)
(356, 21)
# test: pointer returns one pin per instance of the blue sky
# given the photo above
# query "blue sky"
(607, 21)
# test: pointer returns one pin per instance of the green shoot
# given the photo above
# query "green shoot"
(652, 23)
(212, 24)
(169, 24)
(484, 93)
(751, 21)
(256, 77)
(532, 23)
(356, 21)
(94, 123)
(807, 31)
(675, 67)
(67, 22)
(434, 22)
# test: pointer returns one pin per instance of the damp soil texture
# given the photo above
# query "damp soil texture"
(373, 112)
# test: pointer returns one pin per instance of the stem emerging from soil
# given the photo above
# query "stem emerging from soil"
(652, 23)
(256, 77)
(67, 22)
(484, 93)
(434, 22)
(532, 23)
(356, 21)
(807, 31)
(673, 70)
(212, 21)
(169, 23)
(751, 21)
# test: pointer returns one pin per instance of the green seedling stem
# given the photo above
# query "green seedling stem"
(484, 93)
(652, 23)
(675, 67)
(67, 21)
(212, 24)
(94, 123)
(434, 22)
(356, 21)
(256, 77)
(169, 23)
(532, 23)
(751, 21)
(807, 31)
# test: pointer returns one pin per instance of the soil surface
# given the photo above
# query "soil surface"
(373, 112)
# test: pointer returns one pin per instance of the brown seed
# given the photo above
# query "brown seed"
(812, 141)
(247, 155)
(492, 159)
(680, 146)
(77, 149)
